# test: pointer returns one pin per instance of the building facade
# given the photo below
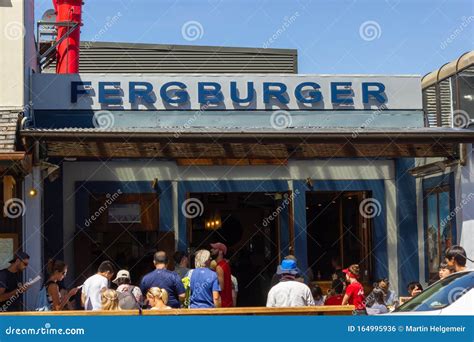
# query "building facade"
(17, 64)
(445, 187)
(312, 165)
(174, 147)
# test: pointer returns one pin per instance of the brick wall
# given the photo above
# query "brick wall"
(8, 123)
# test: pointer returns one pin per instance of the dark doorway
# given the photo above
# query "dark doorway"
(253, 245)
(336, 229)
(123, 229)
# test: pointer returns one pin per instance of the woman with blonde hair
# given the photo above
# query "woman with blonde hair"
(158, 298)
(109, 300)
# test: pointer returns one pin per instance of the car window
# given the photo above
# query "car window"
(441, 294)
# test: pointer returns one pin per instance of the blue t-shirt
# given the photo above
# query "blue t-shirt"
(203, 282)
(164, 279)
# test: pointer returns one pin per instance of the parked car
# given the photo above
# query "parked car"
(453, 295)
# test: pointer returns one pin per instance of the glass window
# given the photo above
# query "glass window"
(441, 294)
(464, 99)
(438, 227)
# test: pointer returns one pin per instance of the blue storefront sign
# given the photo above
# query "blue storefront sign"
(226, 92)
(111, 93)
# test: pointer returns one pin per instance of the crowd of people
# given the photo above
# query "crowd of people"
(210, 284)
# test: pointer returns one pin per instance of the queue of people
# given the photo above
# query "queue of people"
(209, 285)
(347, 289)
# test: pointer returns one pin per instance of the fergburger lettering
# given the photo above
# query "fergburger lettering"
(240, 93)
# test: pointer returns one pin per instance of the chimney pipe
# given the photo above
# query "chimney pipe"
(67, 52)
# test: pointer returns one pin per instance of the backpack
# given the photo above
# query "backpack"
(127, 300)
(42, 303)
(187, 288)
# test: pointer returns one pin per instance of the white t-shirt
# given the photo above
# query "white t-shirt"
(289, 293)
(92, 289)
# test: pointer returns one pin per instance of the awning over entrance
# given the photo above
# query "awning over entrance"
(210, 146)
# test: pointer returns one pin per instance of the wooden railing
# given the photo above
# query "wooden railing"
(248, 311)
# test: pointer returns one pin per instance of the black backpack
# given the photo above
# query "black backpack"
(127, 300)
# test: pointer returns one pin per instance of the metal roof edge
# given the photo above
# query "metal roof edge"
(448, 69)
(171, 47)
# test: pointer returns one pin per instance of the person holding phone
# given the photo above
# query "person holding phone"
(57, 270)
(414, 288)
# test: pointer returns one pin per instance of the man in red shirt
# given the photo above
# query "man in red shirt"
(219, 250)
(354, 291)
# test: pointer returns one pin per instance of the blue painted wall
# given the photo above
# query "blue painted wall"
(53, 217)
(408, 262)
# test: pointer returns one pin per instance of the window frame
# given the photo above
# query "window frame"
(438, 185)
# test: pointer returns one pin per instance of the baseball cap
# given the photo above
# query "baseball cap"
(352, 271)
(121, 274)
(220, 246)
(287, 267)
(19, 255)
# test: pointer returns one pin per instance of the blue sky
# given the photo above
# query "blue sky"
(331, 36)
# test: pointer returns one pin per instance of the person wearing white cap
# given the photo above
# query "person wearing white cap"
(130, 296)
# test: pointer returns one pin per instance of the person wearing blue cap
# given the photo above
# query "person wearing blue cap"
(289, 292)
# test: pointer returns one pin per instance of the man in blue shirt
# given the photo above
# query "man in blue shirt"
(164, 279)
(204, 283)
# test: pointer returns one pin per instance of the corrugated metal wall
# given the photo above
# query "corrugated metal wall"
(429, 99)
(150, 58)
(445, 97)
(444, 106)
